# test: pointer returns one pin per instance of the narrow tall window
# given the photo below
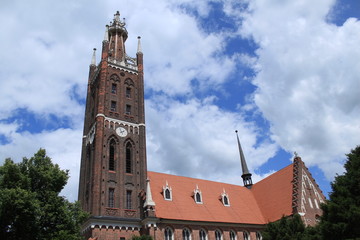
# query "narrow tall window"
(128, 199)
(186, 234)
(202, 234)
(258, 236)
(128, 92)
(113, 106)
(128, 158)
(232, 235)
(113, 88)
(198, 197)
(246, 236)
(168, 235)
(167, 194)
(128, 109)
(111, 202)
(218, 235)
(112, 155)
(226, 202)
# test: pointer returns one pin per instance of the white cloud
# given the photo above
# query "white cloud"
(197, 138)
(62, 145)
(307, 79)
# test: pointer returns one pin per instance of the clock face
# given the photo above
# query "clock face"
(121, 132)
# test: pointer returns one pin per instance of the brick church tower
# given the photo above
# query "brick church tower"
(113, 163)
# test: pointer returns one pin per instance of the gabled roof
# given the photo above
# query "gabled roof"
(274, 194)
(243, 206)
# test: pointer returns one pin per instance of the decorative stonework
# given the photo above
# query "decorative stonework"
(122, 65)
(111, 211)
(130, 213)
(91, 135)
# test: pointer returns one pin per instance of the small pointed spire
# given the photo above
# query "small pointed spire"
(149, 201)
(246, 176)
(93, 59)
(139, 50)
(106, 36)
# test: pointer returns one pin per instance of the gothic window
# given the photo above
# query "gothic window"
(167, 192)
(186, 234)
(113, 106)
(232, 235)
(128, 158)
(246, 235)
(113, 88)
(112, 155)
(218, 235)
(226, 202)
(168, 234)
(111, 202)
(202, 234)
(258, 236)
(128, 199)
(128, 109)
(128, 92)
(225, 198)
(197, 195)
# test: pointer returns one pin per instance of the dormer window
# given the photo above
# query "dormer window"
(167, 192)
(197, 195)
(225, 199)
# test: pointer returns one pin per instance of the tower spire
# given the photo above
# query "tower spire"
(93, 59)
(139, 50)
(246, 175)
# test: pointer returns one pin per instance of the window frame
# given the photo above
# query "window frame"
(186, 234)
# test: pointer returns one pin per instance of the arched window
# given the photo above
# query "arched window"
(202, 234)
(218, 235)
(186, 234)
(168, 234)
(167, 194)
(198, 197)
(232, 235)
(112, 155)
(128, 158)
(258, 236)
(246, 235)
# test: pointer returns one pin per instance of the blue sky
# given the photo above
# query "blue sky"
(285, 74)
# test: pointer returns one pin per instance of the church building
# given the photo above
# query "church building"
(124, 199)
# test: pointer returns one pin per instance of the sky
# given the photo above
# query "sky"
(285, 74)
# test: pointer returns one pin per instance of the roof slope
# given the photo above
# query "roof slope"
(274, 194)
(243, 206)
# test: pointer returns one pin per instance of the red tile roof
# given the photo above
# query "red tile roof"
(274, 194)
(243, 206)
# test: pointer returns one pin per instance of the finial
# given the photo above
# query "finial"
(106, 36)
(148, 201)
(93, 60)
(296, 154)
(139, 50)
(117, 16)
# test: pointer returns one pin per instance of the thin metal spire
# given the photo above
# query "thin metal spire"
(244, 167)
(246, 176)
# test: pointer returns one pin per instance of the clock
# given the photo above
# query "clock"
(121, 132)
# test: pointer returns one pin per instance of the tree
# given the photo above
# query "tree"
(341, 213)
(30, 205)
(290, 228)
(143, 237)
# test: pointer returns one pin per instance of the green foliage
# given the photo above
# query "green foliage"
(143, 237)
(30, 205)
(341, 213)
(290, 228)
